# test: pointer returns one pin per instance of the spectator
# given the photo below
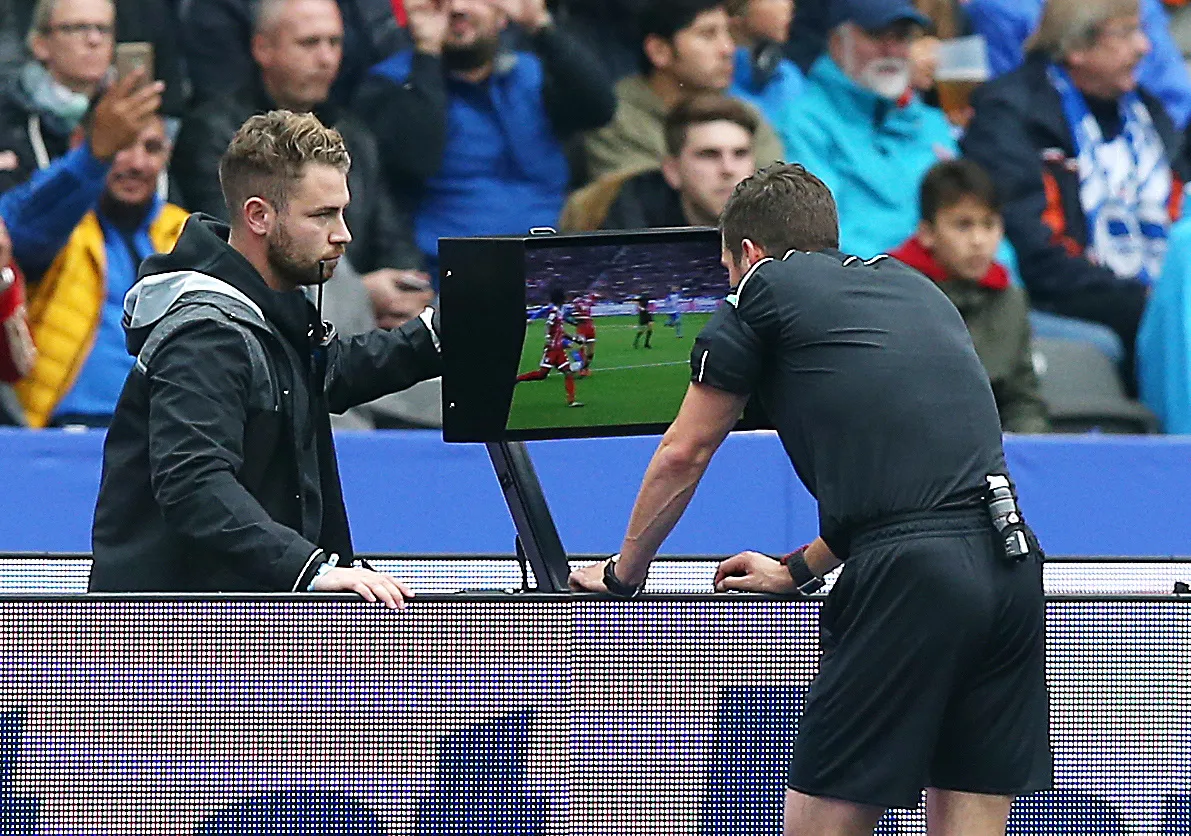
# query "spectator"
(763, 75)
(347, 306)
(955, 246)
(154, 21)
(472, 135)
(1085, 160)
(43, 103)
(862, 130)
(709, 149)
(296, 49)
(1164, 338)
(686, 48)
(89, 226)
(217, 39)
(1007, 24)
(17, 352)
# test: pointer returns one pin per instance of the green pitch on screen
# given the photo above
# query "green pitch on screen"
(627, 385)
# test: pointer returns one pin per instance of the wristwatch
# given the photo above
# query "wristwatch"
(615, 585)
(805, 581)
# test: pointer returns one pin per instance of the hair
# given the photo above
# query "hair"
(269, 154)
(1069, 25)
(267, 13)
(949, 182)
(782, 207)
(700, 109)
(666, 18)
(43, 16)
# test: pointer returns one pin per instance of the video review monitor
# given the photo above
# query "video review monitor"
(565, 336)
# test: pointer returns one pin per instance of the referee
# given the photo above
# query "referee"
(932, 672)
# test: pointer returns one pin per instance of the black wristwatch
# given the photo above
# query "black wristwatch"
(615, 585)
(805, 581)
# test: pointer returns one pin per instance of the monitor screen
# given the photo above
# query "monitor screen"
(602, 340)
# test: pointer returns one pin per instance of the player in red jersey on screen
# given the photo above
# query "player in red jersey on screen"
(562, 351)
(581, 307)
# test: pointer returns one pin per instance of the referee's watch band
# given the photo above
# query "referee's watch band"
(805, 581)
(615, 585)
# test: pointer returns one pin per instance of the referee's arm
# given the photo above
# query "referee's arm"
(706, 416)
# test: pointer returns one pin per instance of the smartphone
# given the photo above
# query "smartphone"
(134, 54)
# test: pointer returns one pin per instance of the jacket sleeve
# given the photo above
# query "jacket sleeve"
(408, 119)
(616, 147)
(807, 143)
(199, 383)
(1018, 399)
(195, 162)
(997, 138)
(42, 212)
(365, 367)
(576, 92)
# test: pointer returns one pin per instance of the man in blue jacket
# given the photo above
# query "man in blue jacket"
(860, 128)
(472, 136)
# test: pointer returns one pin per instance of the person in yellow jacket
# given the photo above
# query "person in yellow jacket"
(81, 227)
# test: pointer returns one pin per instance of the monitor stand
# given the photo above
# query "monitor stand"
(537, 536)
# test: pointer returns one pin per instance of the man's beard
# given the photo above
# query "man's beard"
(288, 264)
(887, 77)
(462, 59)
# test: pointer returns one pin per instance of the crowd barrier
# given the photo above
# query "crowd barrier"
(492, 715)
(408, 492)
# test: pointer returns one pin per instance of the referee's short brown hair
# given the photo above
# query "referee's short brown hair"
(782, 207)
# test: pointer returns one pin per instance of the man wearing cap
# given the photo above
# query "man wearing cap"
(860, 127)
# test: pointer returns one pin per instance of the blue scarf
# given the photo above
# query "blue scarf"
(49, 98)
(1124, 185)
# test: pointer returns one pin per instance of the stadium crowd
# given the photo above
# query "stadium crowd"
(1045, 202)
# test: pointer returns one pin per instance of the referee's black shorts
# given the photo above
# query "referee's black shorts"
(932, 672)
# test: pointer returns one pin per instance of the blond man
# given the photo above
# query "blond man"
(219, 469)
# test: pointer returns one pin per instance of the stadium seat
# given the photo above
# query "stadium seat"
(1083, 392)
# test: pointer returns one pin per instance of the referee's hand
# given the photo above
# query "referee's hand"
(369, 585)
(753, 572)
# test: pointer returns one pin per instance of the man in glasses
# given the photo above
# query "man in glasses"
(42, 104)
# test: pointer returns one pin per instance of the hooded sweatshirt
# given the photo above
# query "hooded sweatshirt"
(219, 468)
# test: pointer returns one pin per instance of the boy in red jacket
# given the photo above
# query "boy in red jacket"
(955, 246)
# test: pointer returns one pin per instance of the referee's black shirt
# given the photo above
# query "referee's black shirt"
(869, 376)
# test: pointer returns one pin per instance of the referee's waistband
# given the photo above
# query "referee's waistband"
(919, 523)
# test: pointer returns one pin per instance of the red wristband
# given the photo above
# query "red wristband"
(785, 558)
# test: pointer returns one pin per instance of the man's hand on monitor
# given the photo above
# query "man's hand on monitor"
(369, 585)
(588, 579)
(753, 572)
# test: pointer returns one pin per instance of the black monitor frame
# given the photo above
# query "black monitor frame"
(537, 536)
(482, 301)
